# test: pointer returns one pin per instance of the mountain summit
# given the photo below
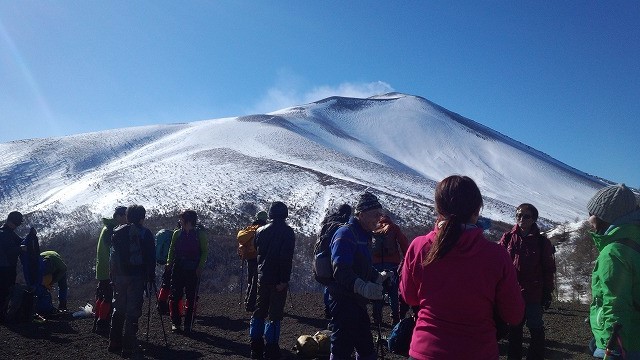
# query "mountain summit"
(310, 156)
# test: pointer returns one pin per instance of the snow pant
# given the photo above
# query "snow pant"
(391, 289)
(7, 280)
(183, 283)
(270, 303)
(127, 309)
(533, 320)
(351, 329)
(252, 285)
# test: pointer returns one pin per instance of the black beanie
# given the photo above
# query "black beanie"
(278, 210)
(16, 218)
(367, 202)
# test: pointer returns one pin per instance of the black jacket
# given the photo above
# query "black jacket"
(275, 243)
(9, 247)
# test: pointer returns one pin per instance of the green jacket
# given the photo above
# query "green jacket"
(103, 250)
(202, 251)
(615, 286)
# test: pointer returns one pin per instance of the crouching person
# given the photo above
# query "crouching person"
(275, 243)
(132, 264)
(54, 271)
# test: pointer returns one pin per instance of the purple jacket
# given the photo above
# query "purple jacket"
(457, 296)
(532, 256)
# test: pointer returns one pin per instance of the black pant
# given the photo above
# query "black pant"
(252, 285)
(7, 280)
(183, 282)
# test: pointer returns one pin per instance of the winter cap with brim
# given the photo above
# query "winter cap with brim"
(612, 202)
(367, 202)
(16, 218)
(262, 216)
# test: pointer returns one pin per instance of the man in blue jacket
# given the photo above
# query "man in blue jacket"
(357, 282)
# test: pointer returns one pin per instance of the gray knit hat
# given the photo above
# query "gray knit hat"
(367, 201)
(612, 202)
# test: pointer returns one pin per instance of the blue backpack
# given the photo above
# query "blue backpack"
(400, 337)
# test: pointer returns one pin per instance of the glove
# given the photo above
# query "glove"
(546, 301)
(382, 277)
(369, 290)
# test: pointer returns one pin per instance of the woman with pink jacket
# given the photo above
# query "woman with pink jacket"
(458, 279)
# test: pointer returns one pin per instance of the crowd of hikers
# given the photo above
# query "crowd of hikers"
(465, 292)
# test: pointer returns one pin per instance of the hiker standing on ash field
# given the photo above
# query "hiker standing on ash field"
(247, 252)
(132, 265)
(614, 216)
(186, 260)
(104, 291)
(275, 243)
(357, 282)
(9, 253)
(389, 244)
(532, 255)
(459, 280)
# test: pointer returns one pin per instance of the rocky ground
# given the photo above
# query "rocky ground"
(221, 332)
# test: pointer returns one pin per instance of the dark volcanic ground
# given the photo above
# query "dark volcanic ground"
(221, 332)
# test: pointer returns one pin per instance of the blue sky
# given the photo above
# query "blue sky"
(562, 77)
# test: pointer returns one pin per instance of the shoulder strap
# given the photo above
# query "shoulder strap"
(630, 243)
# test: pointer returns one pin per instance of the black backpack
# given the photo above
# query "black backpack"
(322, 268)
(126, 246)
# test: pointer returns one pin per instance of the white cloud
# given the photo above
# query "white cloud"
(288, 92)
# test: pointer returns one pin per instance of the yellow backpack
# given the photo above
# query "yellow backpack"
(246, 249)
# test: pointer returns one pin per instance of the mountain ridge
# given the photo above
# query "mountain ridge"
(310, 156)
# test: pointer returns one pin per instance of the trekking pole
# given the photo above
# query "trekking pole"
(148, 309)
(195, 302)
(609, 351)
(241, 280)
(164, 333)
(290, 297)
(380, 344)
(95, 321)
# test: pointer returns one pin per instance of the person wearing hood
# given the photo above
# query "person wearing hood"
(532, 256)
(104, 291)
(614, 216)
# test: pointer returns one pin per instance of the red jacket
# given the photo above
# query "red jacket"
(457, 295)
(392, 232)
(532, 256)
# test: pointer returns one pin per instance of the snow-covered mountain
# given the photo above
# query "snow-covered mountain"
(310, 156)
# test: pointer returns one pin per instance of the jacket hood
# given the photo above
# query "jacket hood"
(109, 222)
(616, 232)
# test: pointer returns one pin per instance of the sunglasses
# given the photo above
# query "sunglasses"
(523, 216)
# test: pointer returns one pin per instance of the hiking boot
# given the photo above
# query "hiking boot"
(272, 352)
(257, 349)
(114, 347)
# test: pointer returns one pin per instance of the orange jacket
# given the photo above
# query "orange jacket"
(391, 231)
